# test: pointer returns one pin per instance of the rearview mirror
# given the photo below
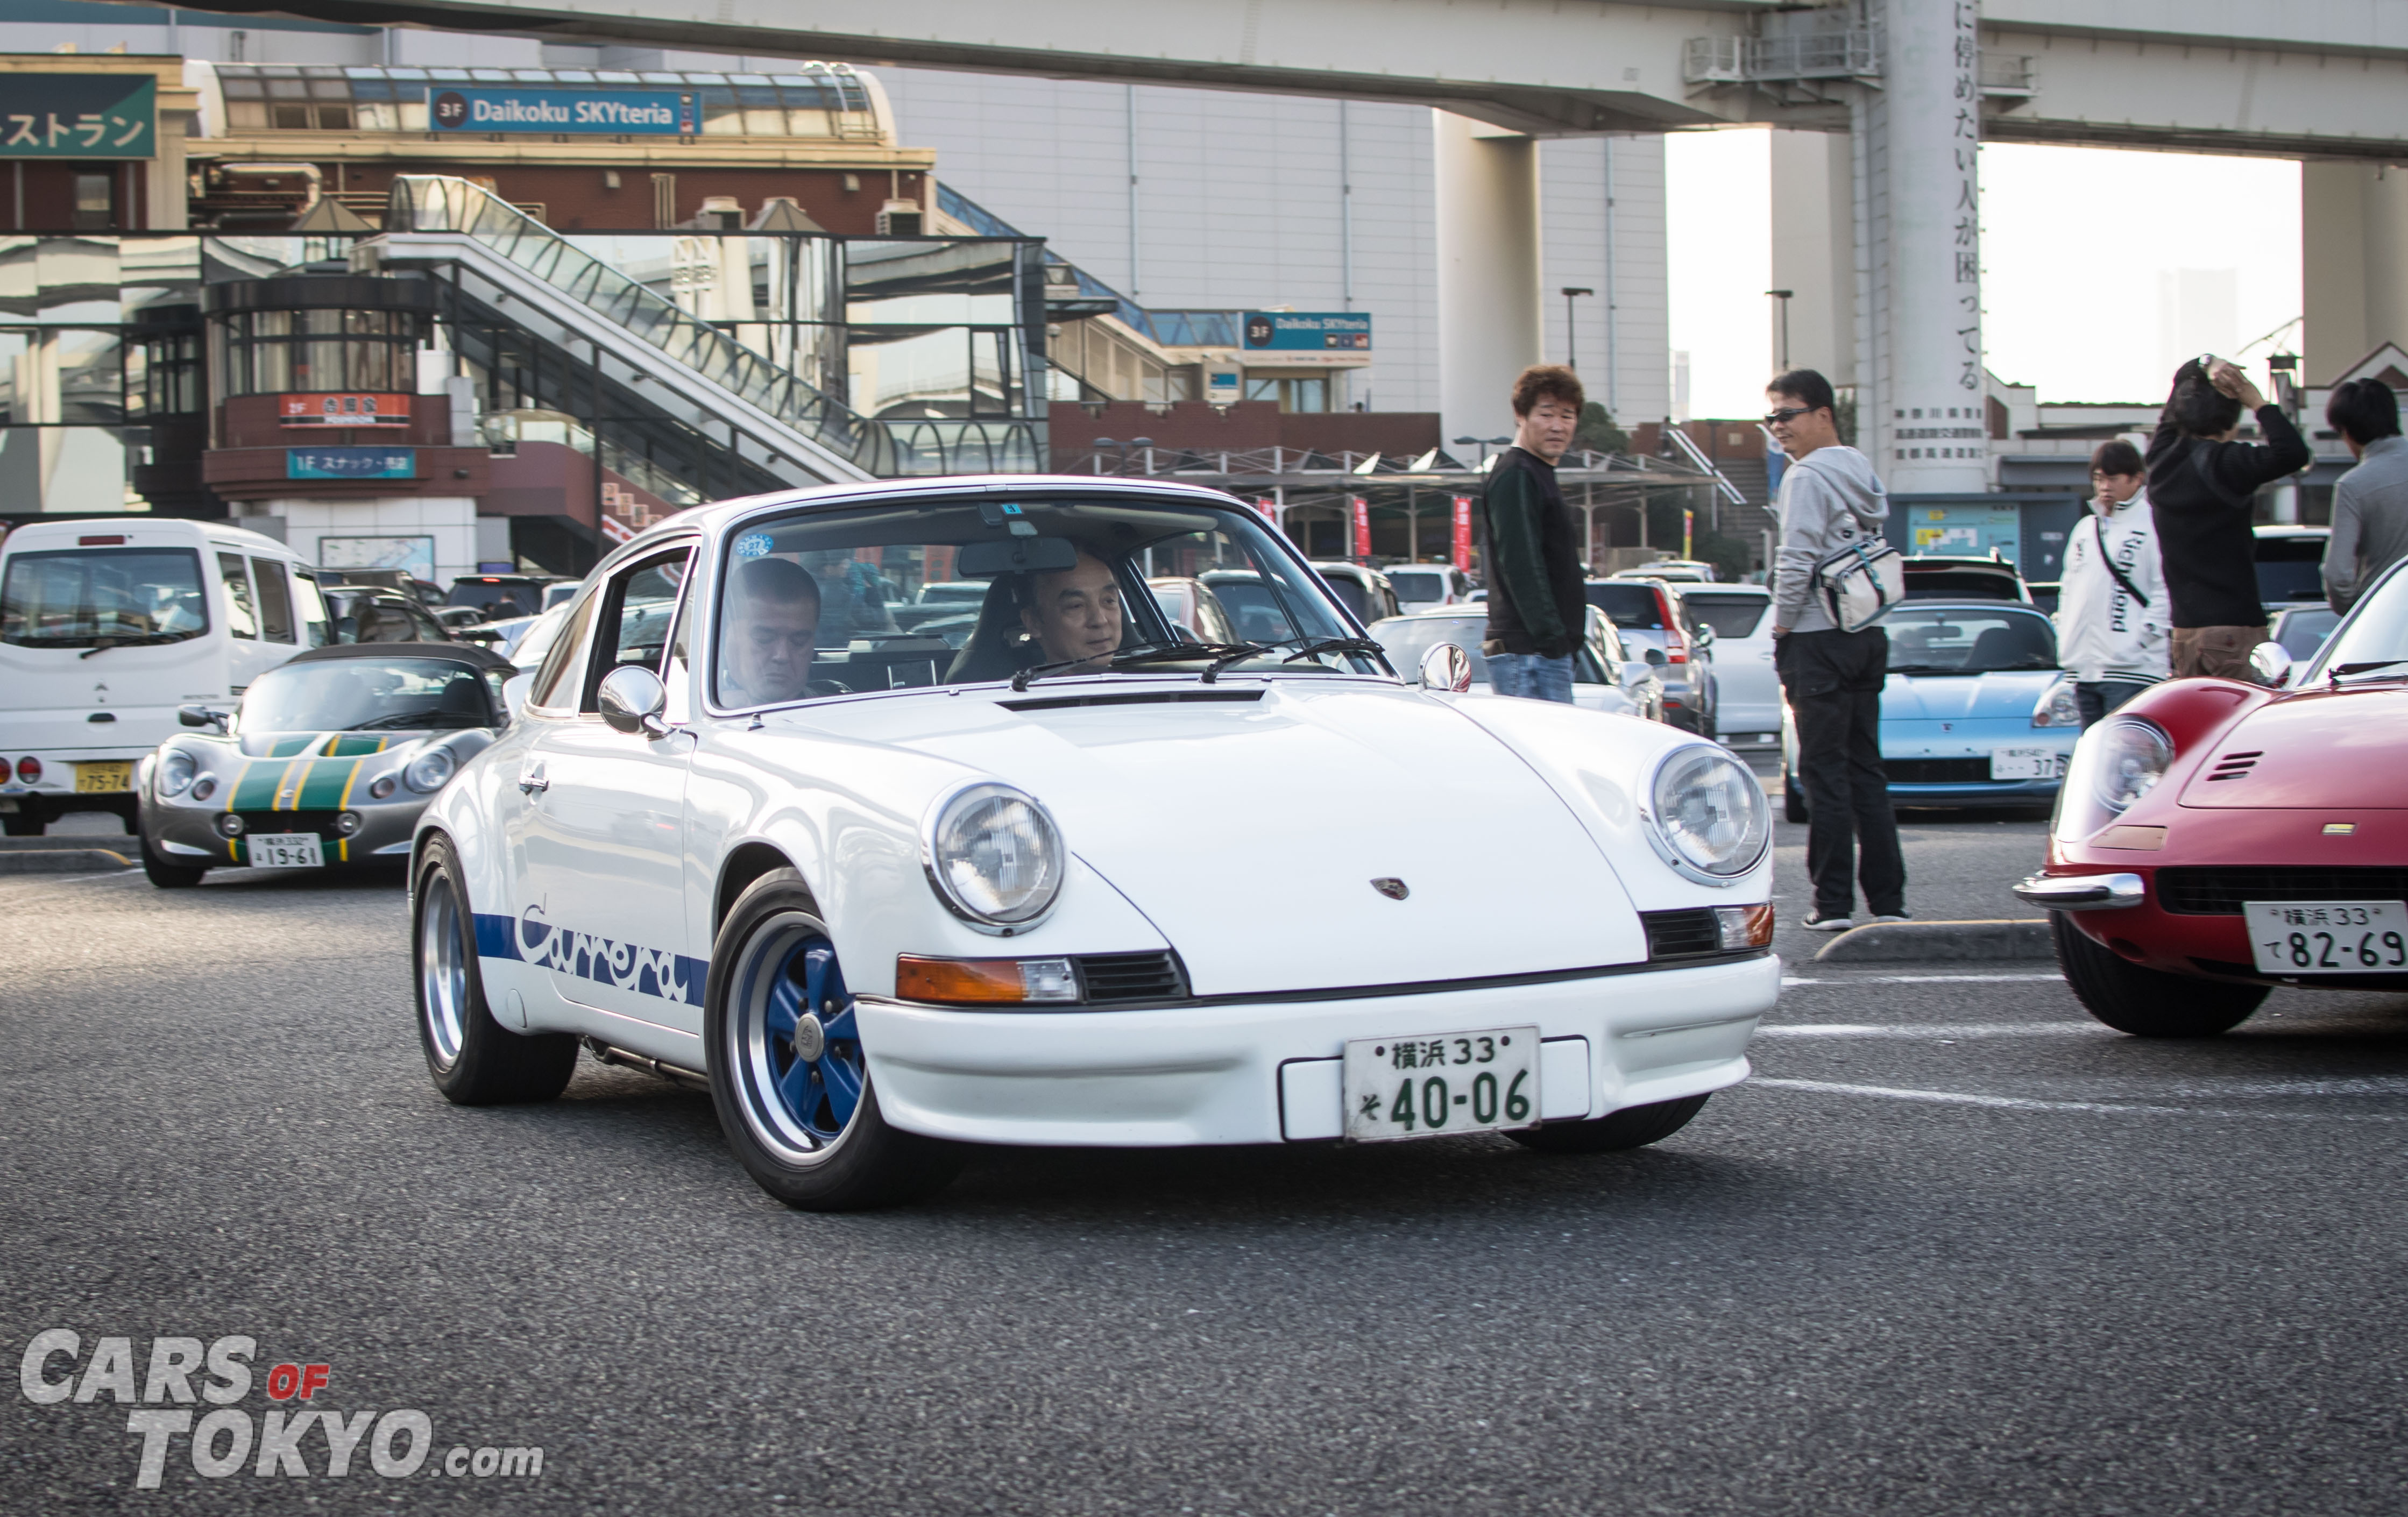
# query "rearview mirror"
(2272, 663)
(1447, 667)
(631, 700)
(1015, 555)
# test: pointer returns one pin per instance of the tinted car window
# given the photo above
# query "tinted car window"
(1958, 584)
(1968, 641)
(1731, 616)
(2290, 568)
(1418, 584)
(1627, 605)
(2305, 631)
(126, 594)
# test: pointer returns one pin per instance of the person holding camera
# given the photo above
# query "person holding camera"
(2111, 608)
(2369, 515)
(2203, 489)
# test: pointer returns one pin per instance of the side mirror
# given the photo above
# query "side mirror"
(1704, 635)
(1447, 667)
(1655, 655)
(631, 700)
(2272, 663)
(514, 693)
(200, 716)
(1637, 671)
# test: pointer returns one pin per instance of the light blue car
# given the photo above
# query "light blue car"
(1977, 711)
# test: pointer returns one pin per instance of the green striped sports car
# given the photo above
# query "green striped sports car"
(325, 762)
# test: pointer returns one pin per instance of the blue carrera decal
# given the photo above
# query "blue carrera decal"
(647, 971)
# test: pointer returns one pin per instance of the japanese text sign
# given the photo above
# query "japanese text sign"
(78, 116)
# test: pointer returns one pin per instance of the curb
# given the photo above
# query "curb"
(111, 841)
(63, 861)
(1884, 942)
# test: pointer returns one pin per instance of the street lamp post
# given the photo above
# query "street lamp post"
(1571, 337)
(1781, 330)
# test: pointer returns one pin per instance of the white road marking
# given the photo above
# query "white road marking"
(1990, 1029)
(1787, 980)
(2024, 1103)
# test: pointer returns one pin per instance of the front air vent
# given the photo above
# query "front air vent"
(2220, 890)
(1682, 935)
(2235, 765)
(1119, 978)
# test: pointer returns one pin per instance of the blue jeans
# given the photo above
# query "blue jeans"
(1531, 675)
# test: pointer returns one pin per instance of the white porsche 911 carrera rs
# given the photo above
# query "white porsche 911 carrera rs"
(1059, 873)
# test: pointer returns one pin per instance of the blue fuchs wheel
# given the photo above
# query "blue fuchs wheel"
(787, 1072)
(816, 1096)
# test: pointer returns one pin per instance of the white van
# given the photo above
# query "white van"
(107, 626)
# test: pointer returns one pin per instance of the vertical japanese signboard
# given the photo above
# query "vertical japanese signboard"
(1463, 532)
(1966, 217)
(78, 116)
(1361, 509)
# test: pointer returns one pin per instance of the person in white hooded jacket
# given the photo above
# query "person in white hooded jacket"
(2112, 614)
(1832, 680)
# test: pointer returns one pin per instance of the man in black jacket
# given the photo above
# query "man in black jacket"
(1536, 611)
(2201, 487)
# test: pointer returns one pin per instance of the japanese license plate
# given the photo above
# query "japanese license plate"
(2027, 763)
(283, 850)
(1426, 1086)
(2328, 938)
(116, 774)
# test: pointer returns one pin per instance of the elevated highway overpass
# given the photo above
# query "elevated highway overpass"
(1913, 84)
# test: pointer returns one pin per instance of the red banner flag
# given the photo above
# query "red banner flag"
(1463, 532)
(1362, 525)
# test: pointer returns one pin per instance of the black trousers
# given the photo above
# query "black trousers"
(1833, 682)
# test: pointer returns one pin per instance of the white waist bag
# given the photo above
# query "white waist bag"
(1860, 582)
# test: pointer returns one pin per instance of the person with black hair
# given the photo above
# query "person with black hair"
(1538, 610)
(2112, 630)
(2202, 490)
(2370, 514)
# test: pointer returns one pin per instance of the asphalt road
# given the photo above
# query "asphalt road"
(1955, 1249)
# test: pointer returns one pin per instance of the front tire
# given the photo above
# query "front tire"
(474, 1060)
(2147, 1003)
(787, 1071)
(164, 875)
(1632, 1127)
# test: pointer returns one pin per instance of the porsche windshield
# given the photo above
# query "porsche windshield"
(967, 591)
(367, 695)
(1952, 640)
(76, 598)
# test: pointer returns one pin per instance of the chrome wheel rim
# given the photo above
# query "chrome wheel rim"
(789, 988)
(442, 973)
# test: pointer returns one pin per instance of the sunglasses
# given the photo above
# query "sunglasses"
(1788, 413)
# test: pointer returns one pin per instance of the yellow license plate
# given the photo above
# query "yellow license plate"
(115, 774)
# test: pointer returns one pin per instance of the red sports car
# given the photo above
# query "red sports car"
(2215, 839)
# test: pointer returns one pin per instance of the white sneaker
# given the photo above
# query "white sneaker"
(1823, 924)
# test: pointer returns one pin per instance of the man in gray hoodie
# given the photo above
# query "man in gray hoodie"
(1832, 680)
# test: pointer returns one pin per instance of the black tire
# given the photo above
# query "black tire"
(804, 1152)
(162, 874)
(473, 1059)
(2147, 1003)
(1633, 1127)
(1793, 798)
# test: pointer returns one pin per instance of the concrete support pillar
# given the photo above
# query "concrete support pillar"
(1488, 317)
(2354, 263)
(1917, 144)
(1814, 251)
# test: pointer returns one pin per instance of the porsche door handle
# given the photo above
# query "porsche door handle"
(531, 780)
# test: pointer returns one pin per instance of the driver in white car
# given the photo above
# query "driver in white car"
(773, 623)
(1073, 615)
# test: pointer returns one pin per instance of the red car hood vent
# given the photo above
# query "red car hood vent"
(2320, 750)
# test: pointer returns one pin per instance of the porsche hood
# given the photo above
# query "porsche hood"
(1217, 819)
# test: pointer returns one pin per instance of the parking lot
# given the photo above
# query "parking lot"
(1955, 1247)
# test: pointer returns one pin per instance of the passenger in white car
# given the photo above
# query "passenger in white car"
(773, 625)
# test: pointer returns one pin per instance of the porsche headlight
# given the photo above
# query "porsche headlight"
(1709, 819)
(2131, 757)
(994, 855)
(429, 771)
(176, 772)
(2058, 707)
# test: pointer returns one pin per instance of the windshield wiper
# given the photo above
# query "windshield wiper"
(2369, 667)
(1312, 646)
(1142, 652)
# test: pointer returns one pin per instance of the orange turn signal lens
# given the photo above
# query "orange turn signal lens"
(1744, 926)
(984, 981)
